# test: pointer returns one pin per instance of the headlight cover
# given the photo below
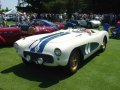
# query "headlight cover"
(15, 45)
(57, 52)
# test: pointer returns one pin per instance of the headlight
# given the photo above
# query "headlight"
(15, 45)
(57, 52)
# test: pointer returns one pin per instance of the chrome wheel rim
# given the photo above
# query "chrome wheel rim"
(104, 45)
(74, 63)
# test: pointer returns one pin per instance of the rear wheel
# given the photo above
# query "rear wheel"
(74, 62)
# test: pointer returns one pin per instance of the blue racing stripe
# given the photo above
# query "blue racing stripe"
(42, 39)
(43, 44)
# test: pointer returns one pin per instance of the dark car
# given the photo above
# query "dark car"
(71, 23)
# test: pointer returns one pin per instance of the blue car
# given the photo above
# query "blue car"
(46, 23)
(37, 22)
(71, 23)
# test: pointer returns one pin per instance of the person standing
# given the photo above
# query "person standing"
(106, 26)
(5, 20)
(1, 20)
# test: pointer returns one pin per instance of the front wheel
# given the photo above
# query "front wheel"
(103, 46)
(73, 63)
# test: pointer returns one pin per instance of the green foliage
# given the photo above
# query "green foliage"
(4, 10)
(103, 6)
(71, 6)
(56, 6)
(1, 10)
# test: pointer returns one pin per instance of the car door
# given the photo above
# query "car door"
(91, 44)
(9, 36)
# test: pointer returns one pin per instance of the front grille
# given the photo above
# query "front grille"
(35, 56)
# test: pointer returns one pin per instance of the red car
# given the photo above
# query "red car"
(10, 34)
(59, 25)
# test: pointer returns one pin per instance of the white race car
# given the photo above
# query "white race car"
(89, 24)
(94, 23)
(61, 48)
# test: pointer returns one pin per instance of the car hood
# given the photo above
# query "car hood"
(53, 39)
(58, 37)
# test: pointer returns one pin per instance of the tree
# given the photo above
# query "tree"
(54, 6)
(36, 5)
(58, 6)
(103, 6)
(6, 9)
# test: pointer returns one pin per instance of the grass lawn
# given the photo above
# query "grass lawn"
(10, 22)
(100, 72)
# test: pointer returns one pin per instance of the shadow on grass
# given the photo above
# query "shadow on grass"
(1, 89)
(90, 58)
(47, 76)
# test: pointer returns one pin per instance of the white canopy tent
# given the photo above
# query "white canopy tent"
(13, 11)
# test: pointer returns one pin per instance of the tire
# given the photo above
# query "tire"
(103, 46)
(74, 62)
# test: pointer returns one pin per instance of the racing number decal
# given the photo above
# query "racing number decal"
(87, 48)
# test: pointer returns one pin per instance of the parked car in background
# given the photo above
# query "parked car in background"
(9, 35)
(82, 23)
(89, 24)
(71, 23)
(59, 25)
(56, 25)
(41, 22)
(94, 23)
(66, 48)
(11, 17)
